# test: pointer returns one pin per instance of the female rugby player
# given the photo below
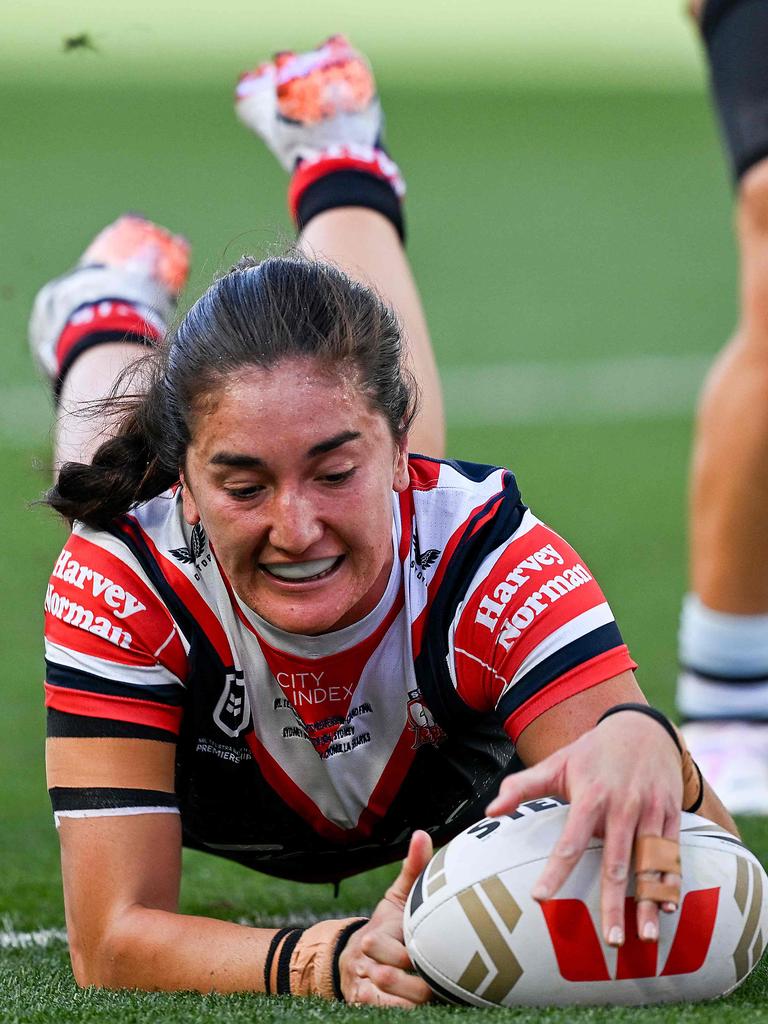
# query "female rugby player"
(272, 634)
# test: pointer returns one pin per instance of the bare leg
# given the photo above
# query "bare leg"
(729, 491)
(366, 246)
(79, 430)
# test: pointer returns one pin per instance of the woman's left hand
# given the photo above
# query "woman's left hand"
(622, 780)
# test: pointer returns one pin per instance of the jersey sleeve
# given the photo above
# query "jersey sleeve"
(534, 630)
(115, 658)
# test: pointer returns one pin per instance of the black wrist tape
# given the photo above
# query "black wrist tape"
(277, 938)
(654, 713)
(736, 37)
(283, 980)
(351, 188)
(339, 949)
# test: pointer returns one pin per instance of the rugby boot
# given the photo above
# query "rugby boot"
(318, 112)
(124, 287)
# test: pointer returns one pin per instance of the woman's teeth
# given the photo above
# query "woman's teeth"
(300, 570)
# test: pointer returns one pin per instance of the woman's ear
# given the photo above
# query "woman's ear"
(401, 478)
(188, 503)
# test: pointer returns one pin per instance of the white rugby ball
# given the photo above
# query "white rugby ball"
(477, 937)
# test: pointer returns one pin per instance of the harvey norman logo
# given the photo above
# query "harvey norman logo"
(121, 603)
(493, 606)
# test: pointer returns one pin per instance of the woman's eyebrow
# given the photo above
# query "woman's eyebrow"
(241, 461)
(236, 459)
(333, 442)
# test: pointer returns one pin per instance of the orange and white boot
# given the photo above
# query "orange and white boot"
(124, 288)
(319, 113)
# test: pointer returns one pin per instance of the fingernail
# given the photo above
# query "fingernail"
(615, 936)
(650, 931)
(540, 892)
(669, 908)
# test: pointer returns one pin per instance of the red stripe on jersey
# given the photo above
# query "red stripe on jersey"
(590, 673)
(121, 709)
(383, 794)
(424, 473)
(184, 589)
(406, 523)
(335, 675)
(448, 551)
(525, 599)
(97, 605)
(100, 318)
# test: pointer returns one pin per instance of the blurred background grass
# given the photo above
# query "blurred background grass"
(568, 205)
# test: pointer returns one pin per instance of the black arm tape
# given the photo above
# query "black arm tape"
(351, 188)
(736, 37)
(341, 942)
(277, 938)
(97, 798)
(654, 713)
(284, 963)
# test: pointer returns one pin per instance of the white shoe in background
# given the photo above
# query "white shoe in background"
(733, 758)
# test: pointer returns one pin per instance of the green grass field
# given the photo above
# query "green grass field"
(564, 217)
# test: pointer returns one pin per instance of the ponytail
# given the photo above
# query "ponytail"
(125, 469)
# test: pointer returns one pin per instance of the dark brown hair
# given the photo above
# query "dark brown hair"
(256, 315)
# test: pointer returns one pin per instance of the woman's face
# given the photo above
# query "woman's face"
(291, 473)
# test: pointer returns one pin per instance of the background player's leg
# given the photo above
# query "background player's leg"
(319, 114)
(723, 686)
(367, 246)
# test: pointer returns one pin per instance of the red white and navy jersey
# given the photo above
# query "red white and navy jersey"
(316, 757)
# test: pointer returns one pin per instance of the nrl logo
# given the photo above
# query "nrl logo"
(190, 555)
(233, 711)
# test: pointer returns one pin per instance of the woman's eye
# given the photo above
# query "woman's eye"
(338, 478)
(243, 493)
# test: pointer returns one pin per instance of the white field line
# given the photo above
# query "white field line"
(44, 937)
(503, 394)
(624, 388)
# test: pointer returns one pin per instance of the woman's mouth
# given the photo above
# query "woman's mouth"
(302, 572)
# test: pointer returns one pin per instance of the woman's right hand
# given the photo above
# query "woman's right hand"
(375, 966)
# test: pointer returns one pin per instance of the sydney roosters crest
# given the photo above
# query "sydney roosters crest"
(421, 722)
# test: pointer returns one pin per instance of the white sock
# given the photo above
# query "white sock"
(724, 663)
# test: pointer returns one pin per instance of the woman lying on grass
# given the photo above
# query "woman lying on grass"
(276, 636)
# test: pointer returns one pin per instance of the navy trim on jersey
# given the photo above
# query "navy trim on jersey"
(76, 679)
(64, 724)
(96, 798)
(598, 641)
(475, 471)
(128, 532)
(431, 664)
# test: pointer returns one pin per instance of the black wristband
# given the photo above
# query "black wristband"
(351, 188)
(341, 942)
(284, 963)
(654, 713)
(276, 939)
(700, 798)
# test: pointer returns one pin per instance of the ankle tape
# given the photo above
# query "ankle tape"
(736, 37)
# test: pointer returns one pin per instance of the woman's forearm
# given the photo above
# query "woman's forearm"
(157, 950)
